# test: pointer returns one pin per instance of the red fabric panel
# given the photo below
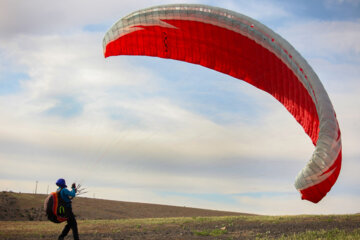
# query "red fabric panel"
(55, 203)
(227, 52)
(317, 192)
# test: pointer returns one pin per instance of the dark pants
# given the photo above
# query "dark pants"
(71, 224)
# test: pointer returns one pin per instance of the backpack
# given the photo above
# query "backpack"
(55, 208)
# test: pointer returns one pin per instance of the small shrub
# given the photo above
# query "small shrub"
(202, 233)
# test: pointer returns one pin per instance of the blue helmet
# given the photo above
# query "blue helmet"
(61, 183)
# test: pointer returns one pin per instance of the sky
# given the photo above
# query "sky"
(151, 130)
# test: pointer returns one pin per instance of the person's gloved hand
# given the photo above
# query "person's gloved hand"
(74, 186)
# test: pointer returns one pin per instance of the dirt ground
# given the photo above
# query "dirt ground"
(226, 228)
(236, 229)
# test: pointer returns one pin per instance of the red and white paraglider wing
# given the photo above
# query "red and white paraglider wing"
(241, 47)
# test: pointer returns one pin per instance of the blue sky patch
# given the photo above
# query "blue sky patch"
(66, 107)
(322, 9)
(96, 28)
(10, 82)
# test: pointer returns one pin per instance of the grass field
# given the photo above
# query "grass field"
(232, 227)
(22, 217)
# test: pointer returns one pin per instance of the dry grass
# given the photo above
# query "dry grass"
(30, 207)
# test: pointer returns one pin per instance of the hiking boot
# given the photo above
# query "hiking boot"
(60, 238)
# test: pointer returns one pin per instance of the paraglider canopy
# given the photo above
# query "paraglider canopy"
(241, 47)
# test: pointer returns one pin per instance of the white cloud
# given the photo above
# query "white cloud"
(64, 66)
(126, 121)
(40, 17)
(326, 38)
(291, 204)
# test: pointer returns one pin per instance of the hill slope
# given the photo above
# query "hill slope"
(25, 206)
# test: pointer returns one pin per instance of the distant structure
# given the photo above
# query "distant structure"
(36, 184)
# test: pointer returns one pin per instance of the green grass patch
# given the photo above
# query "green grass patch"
(214, 227)
(214, 233)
